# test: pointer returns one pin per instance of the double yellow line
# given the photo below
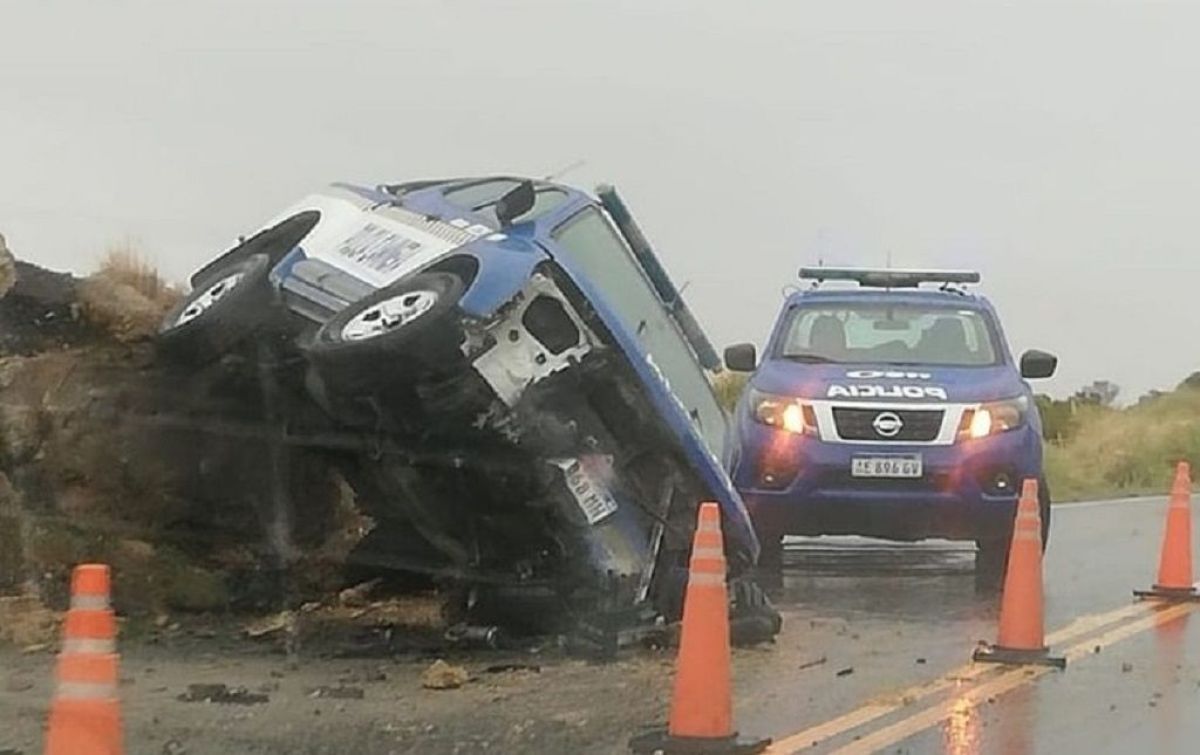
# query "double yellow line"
(993, 681)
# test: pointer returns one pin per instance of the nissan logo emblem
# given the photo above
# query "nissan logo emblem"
(887, 424)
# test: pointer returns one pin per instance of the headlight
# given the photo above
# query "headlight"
(783, 412)
(994, 417)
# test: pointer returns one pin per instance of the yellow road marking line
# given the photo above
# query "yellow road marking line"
(871, 711)
(1005, 682)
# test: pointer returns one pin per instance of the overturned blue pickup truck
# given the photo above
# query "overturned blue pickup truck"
(537, 392)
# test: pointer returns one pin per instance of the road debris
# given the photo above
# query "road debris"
(356, 597)
(282, 621)
(505, 668)
(221, 694)
(337, 692)
(442, 675)
(473, 636)
(1126, 667)
(174, 747)
(811, 664)
(846, 671)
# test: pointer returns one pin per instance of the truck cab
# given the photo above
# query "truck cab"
(888, 404)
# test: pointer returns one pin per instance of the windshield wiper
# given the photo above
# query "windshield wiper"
(810, 358)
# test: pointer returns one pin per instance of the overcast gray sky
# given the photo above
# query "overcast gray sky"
(1053, 146)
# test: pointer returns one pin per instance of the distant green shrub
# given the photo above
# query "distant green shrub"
(1131, 451)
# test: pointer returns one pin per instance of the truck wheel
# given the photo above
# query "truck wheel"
(991, 556)
(1044, 512)
(400, 330)
(752, 617)
(770, 554)
(229, 306)
(991, 559)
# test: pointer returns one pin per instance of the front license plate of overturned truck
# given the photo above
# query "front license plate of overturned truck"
(593, 497)
(892, 466)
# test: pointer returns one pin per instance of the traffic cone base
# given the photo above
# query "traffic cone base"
(1169, 593)
(1017, 657)
(660, 740)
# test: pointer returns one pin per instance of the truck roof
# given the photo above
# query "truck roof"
(926, 296)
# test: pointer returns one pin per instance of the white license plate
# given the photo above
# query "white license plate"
(593, 497)
(900, 467)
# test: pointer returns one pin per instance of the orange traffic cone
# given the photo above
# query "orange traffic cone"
(85, 716)
(701, 718)
(1022, 629)
(1175, 565)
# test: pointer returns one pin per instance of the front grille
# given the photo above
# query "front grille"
(916, 425)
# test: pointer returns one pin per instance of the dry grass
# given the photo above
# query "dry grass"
(126, 296)
(728, 386)
(1128, 451)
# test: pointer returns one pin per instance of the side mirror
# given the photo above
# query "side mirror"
(1038, 364)
(518, 201)
(741, 357)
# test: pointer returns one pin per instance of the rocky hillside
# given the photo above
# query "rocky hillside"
(176, 478)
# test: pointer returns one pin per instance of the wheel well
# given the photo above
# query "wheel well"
(274, 242)
(464, 266)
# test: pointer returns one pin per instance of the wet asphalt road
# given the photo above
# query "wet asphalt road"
(868, 623)
(874, 656)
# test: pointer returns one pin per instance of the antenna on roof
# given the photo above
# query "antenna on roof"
(565, 170)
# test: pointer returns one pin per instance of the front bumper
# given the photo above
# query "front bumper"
(797, 485)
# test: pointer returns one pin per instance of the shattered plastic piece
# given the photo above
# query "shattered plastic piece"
(502, 668)
(339, 692)
(811, 664)
(221, 694)
(442, 675)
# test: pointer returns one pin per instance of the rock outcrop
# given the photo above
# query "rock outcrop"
(8, 268)
(175, 478)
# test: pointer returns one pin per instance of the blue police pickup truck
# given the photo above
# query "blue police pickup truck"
(888, 408)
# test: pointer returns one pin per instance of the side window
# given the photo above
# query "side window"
(482, 197)
(593, 249)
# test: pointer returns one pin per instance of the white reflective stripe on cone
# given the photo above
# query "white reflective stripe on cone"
(706, 578)
(89, 602)
(102, 647)
(706, 525)
(86, 691)
(708, 551)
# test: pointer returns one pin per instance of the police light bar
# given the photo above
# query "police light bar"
(887, 278)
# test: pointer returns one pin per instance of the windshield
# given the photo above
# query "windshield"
(888, 334)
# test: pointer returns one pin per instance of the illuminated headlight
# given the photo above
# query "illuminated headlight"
(994, 417)
(783, 413)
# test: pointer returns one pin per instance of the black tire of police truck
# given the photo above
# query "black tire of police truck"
(991, 556)
(228, 307)
(429, 342)
(770, 553)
